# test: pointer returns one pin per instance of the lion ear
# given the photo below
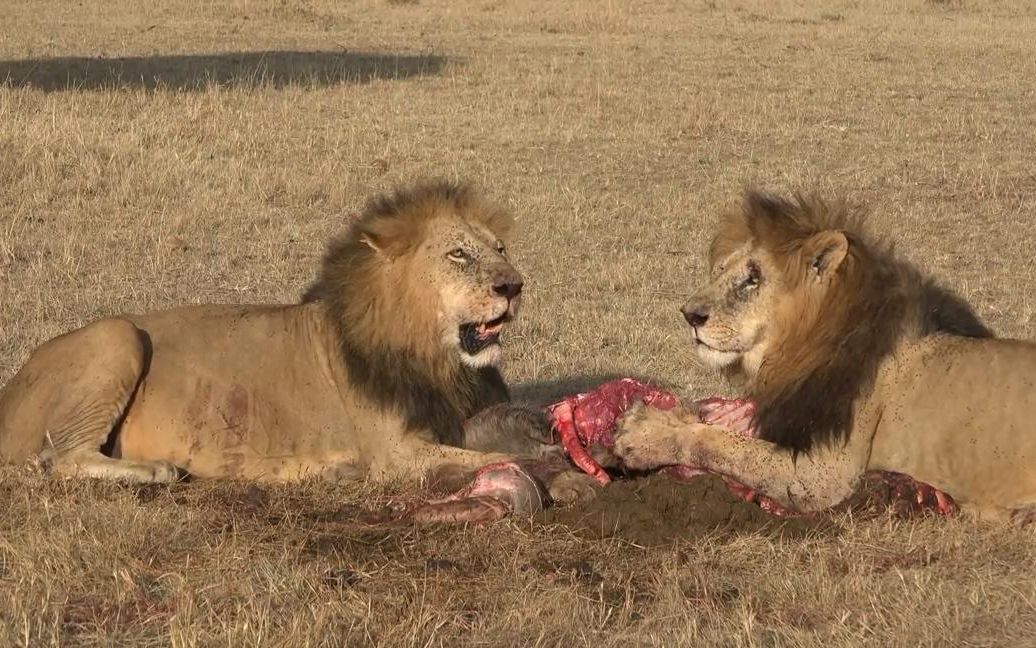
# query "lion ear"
(825, 252)
(371, 241)
(389, 238)
(382, 239)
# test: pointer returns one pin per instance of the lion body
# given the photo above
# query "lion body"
(954, 413)
(856, 362)
(285, 392)
(235, 398)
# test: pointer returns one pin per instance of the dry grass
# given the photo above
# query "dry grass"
(213, 151)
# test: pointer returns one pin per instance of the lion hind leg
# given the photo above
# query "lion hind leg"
(64, 403)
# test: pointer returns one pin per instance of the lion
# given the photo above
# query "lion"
(374, 375)
(856, 362)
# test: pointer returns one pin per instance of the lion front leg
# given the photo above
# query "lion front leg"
(647, 439)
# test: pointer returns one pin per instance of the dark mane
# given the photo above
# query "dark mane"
(943, 311)
(396, 381)
(828, 351)
(386, 327)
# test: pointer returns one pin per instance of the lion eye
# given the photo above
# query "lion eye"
(752, 280)
(500, 248)
(458, 255)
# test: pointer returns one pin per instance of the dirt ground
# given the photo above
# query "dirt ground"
(655, 511)
(193, 152)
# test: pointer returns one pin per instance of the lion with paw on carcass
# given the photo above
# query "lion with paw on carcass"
(375, 374)
(856, 363)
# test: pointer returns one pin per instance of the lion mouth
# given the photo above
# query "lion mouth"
(476, 336)
(702, 345)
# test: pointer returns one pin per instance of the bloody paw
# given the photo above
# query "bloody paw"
(584, 423)
(587, 420)
(902, 494)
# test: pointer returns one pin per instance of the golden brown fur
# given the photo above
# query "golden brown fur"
(854, 359)
(831, 343)
(368, 377)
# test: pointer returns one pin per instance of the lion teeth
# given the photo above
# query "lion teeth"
(486, 330)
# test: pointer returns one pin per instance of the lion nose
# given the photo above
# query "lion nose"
(696, 316)
(509, 286)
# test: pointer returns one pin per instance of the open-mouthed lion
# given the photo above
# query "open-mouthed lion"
(856, 363)
(375, 375)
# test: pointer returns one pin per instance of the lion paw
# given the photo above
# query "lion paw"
(644, 438)
(343, 471)
(43, 462)
(163, 472)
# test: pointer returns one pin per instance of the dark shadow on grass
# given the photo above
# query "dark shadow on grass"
(193, 72)
(545, 392)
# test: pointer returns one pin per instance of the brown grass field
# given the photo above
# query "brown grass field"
(153, 154)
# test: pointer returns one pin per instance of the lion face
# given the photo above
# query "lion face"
(754, 296)
(479, 290)
(728, 316)
(422, 275)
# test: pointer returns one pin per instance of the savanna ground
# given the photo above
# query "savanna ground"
(192, 153)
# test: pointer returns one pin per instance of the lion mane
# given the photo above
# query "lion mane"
(394, 362)
(828, 351)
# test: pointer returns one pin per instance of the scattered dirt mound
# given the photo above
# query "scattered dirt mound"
(656, 510)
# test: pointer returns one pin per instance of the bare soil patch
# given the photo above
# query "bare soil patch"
(656, 510)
